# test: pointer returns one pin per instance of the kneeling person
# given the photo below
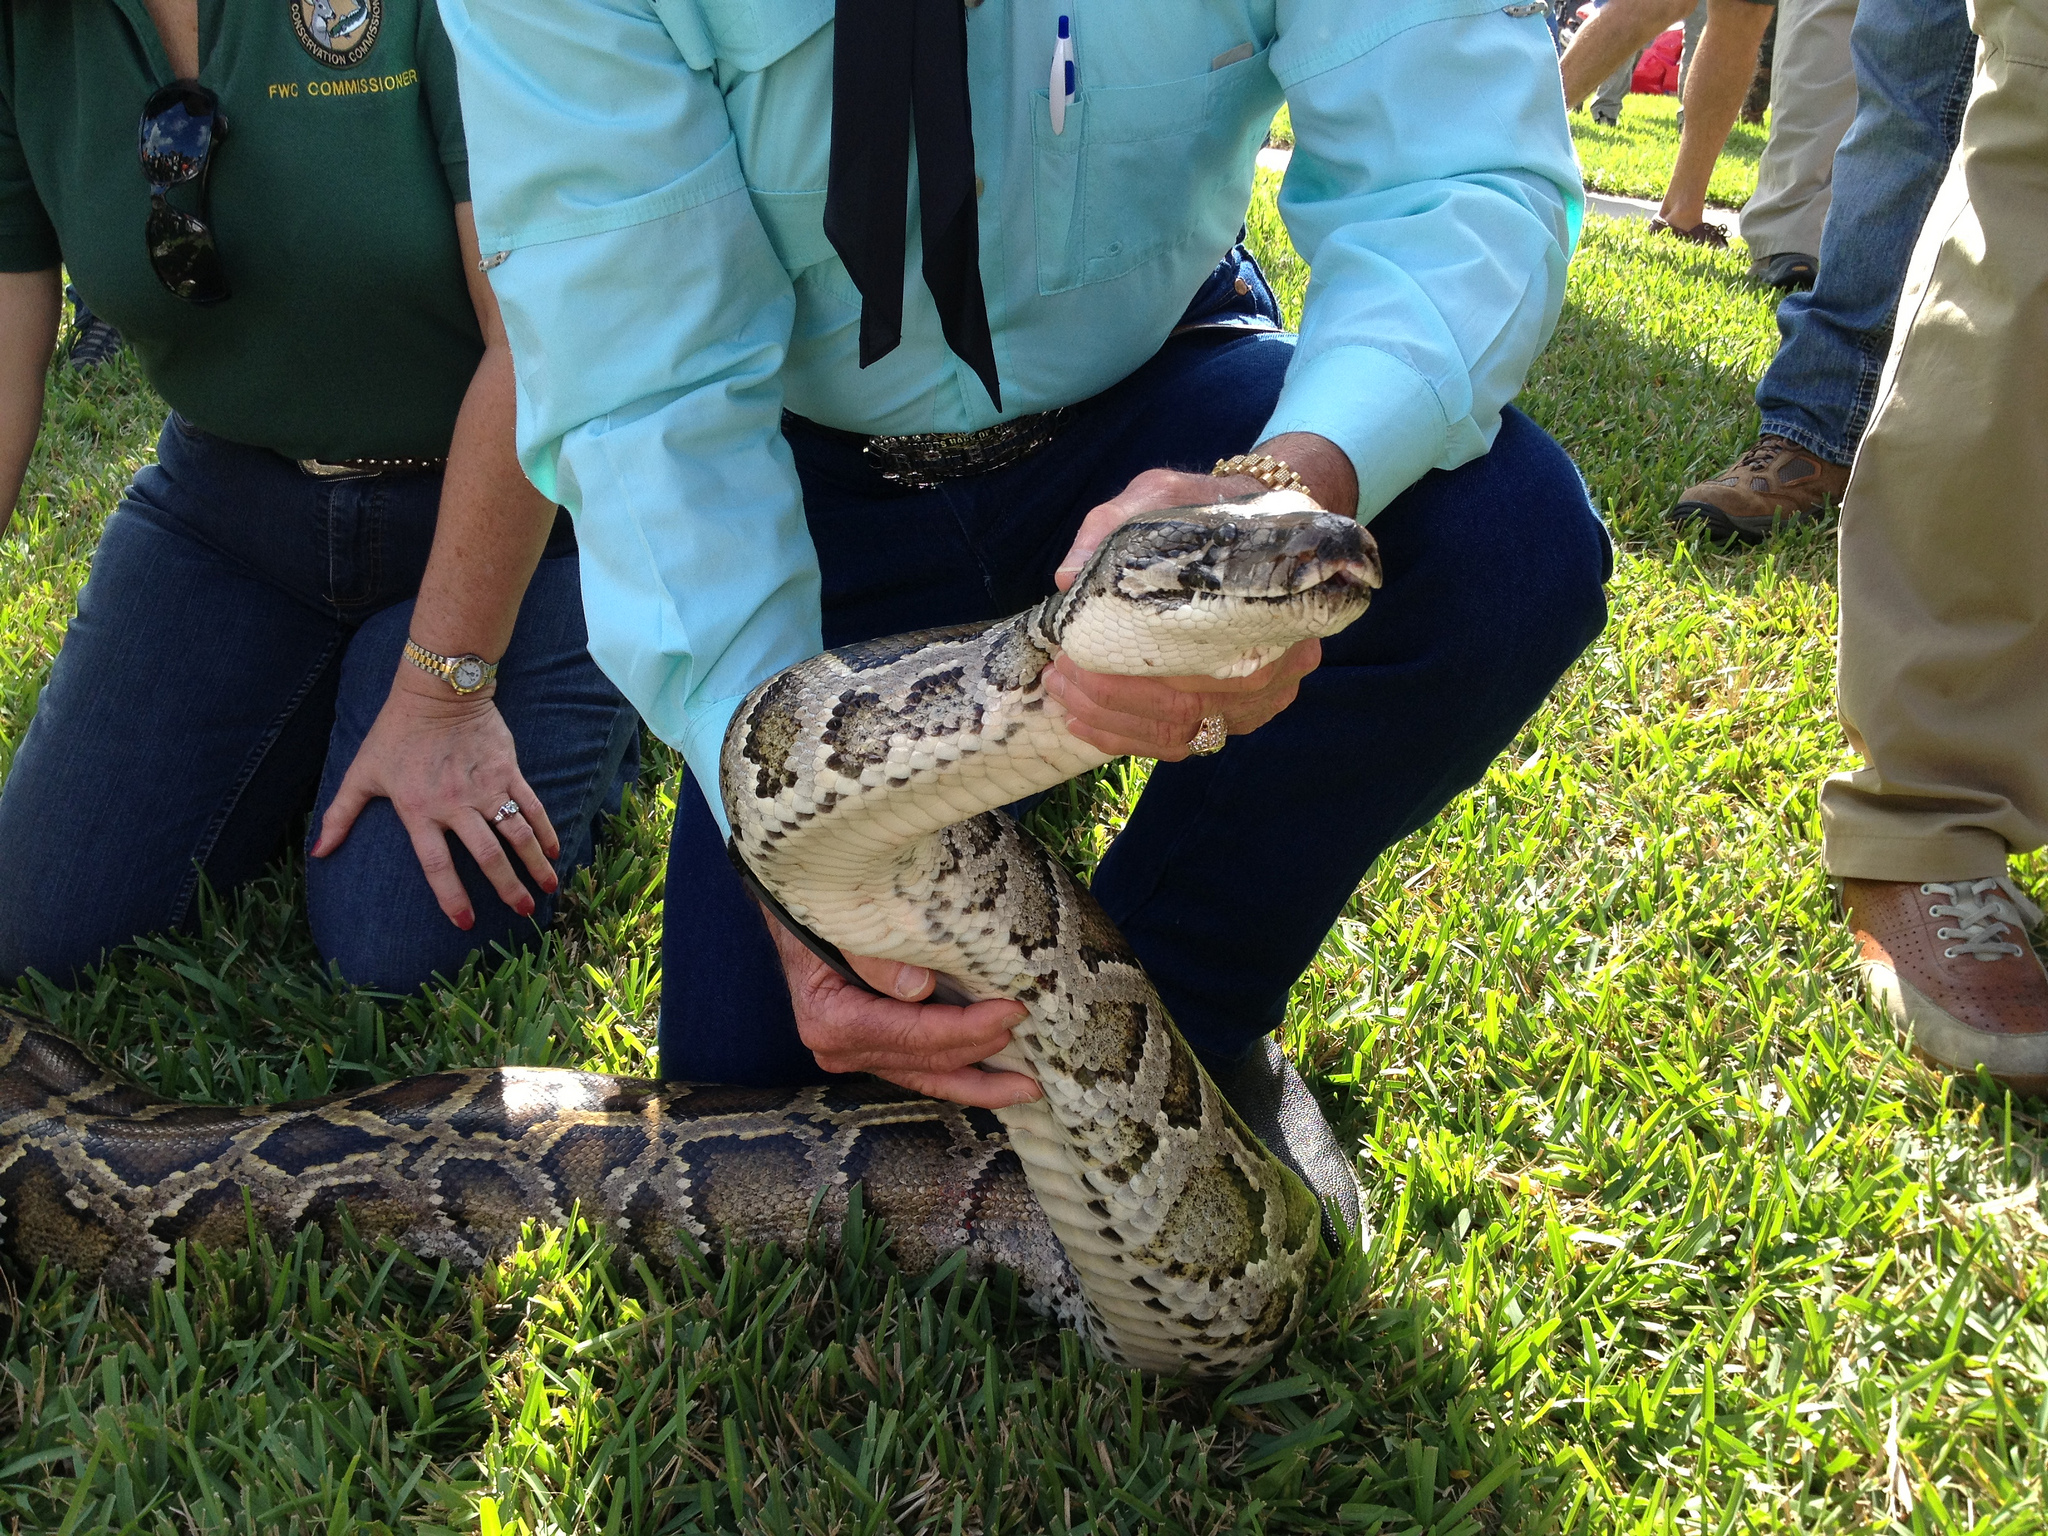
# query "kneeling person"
(794, 405)
(333, 587)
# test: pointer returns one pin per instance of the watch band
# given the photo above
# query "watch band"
(1274, 474)
(465, 674)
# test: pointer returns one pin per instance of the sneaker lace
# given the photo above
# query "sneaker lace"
(1760, 456)
(1986, 911)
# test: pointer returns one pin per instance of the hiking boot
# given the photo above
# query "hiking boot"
(1271, 1096)
(1776, 482)
(1712, 236)
(1949, 963)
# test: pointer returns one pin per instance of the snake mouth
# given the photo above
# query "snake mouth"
(1333, 577)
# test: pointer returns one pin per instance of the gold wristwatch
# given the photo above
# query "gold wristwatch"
(465, 674)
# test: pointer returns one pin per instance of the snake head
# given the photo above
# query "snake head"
(1216, 590)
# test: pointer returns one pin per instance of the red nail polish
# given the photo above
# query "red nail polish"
(525, 907)
(466, 921)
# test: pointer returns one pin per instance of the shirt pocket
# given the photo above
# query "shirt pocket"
(1143, 169)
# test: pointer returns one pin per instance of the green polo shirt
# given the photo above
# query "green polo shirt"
(349, 331)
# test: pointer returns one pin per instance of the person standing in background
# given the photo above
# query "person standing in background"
(1813, 102)
(1715, 83)
(1914, 63)
(1943, 672)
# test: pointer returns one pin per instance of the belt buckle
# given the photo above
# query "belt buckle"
(321, 469)
(899, 461)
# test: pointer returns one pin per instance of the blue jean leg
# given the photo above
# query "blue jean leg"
(1915, 60)
(1500, 565)
(579, 746)
(106, 832)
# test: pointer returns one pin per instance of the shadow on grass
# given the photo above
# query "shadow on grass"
(1647, 391)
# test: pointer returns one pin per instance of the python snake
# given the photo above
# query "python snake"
(862, 789)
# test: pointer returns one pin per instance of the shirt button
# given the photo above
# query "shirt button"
(980, 186)
(971, 4)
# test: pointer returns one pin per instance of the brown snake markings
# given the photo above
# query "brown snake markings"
(99, 1176)
(1131, 1201)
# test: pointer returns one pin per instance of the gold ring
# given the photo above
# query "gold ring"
(1209, 738)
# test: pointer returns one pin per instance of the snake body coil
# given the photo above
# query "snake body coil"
(861, 787)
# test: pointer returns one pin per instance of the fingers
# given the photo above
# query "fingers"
(355, 793)
(931, 1047)
(1157, 717)
(893, 978)
(928, 1048)
(531, 834)
(430, 847)
(537, 818)
(481, 839)
(971, 1085)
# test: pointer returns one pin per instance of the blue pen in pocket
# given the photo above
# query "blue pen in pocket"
(1060, 89)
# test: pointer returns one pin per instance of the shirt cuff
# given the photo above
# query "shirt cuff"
(702, 744)
(1380, 411)
(28, 245)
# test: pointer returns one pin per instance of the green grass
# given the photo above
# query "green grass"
(1635, 158)
(1671, 1235)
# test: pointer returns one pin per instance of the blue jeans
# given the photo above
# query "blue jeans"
(233, 645)
(1915, 60)
(1233, 867)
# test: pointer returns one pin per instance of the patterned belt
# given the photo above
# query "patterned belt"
(924, 461)
(341, 469)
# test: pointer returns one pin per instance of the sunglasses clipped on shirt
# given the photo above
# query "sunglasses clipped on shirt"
(182, 124)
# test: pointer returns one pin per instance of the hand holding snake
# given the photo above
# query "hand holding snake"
(932, 1050)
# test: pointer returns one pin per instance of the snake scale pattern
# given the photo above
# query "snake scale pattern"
(862, 788)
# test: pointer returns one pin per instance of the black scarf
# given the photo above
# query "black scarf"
(892, 59)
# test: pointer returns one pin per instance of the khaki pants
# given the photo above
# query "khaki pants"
(1943, 674)
(1813, 102)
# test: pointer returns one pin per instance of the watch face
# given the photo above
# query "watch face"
(469, 674)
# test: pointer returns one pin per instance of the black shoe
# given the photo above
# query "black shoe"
(1264, 1087)
(1787, 270)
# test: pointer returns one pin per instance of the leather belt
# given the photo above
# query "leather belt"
(341, 469)
(924, 461)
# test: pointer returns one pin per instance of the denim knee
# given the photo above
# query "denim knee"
(375, 920)
(1503, 558)
(36, 936)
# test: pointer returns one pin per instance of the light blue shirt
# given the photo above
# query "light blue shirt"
(649, 176)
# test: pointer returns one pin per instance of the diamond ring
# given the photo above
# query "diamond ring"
(511, 808)
(1209, 738)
